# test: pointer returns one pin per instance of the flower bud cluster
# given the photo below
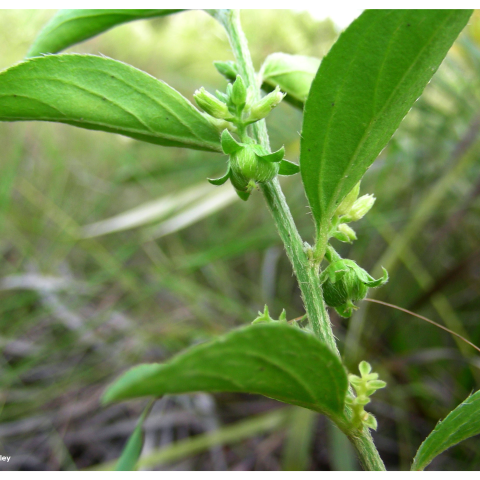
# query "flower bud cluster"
(350, 209)
(232, 111)
(250, 163)
(365, 386)
(237, 104)
(344, 282)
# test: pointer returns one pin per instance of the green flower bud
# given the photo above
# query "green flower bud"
(247, 163)
(348, 201)
(344, 282)
(345, 234)
(264, 106)
(219, 124)
(359, 209)
(365, 368)
(346, 285)
(363, 400)
(239, 93)
(212, 105)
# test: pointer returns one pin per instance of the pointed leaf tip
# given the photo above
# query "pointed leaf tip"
(221, 180)
(365, 86)
(229, 144)
(288, 168)
(274, 157)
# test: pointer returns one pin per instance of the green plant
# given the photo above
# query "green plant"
(361, 92)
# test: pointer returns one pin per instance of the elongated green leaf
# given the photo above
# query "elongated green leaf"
(364, 87)
(459, 424)
(275, 360)
(131, 453)
(292, 73)
(103, 94)
(68, 27)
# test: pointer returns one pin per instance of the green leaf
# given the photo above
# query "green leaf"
(288, 168)
(68, 27)
(229, 144)
(131, 453)
(275, 360)
(459, 424)
(99, 93)
(292, 73)
(274, 157)
(221, 180)
(243, 195)
(364, 87)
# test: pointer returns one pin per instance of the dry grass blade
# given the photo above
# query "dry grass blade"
(423, 318)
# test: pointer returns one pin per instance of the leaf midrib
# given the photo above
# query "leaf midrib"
(372, 121)
(133, 87)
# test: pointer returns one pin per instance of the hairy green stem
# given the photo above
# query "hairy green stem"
(300, 255)
(302, 262)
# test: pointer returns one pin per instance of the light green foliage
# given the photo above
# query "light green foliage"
(272, 359)
(365, 386)
(103, 94)
(68, 27)
(264, 317)
(288, 168)
(364, 87)
(458, 425)
(292, 73)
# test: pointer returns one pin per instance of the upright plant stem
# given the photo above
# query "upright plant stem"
(300, 254)
(304, 268)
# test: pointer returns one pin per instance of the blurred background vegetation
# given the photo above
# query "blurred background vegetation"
(81, 299)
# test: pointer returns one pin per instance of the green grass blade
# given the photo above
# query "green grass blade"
(131, 453)
(69, 27)
(364, 87)
(103, 94)
(459, 424)
(226, 435)
(275, 360)
(296, 455)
